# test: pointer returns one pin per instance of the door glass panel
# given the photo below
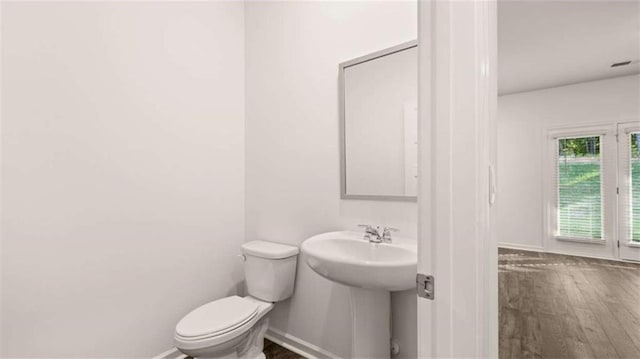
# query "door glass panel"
(579, 186)
(635, 186)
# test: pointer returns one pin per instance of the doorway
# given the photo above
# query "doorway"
(559, 70)
(567, 209)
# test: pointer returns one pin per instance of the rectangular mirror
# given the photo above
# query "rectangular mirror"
(379, 125)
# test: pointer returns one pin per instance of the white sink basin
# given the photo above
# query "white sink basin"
(372, 271)
(346, 258)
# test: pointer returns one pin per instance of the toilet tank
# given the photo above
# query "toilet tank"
(270, 270)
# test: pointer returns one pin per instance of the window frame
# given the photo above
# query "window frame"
(603, 247)
(625, 129)
(556, 190)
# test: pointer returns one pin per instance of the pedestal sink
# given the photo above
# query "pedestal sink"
(372, 271)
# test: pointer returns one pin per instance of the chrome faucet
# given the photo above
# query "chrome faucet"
(374, 235)
(386, 234)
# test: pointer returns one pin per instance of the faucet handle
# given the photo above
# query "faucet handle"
(386, 232)
(370, 231)
(367, 227)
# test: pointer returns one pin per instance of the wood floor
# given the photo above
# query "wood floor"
(556, 306)
(274, 351)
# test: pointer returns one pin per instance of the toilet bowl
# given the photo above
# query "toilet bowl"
(234, 327)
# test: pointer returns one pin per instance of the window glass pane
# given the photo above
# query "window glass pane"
(635, 187)
(579, 188)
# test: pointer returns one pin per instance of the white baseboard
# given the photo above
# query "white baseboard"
(298, 345)
(567, 253)
(554, 251)
(524, 247)
(172, 353)
(285, 340)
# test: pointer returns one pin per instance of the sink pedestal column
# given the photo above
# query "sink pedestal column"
(370, 323)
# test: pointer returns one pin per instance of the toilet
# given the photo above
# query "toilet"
(234, 327)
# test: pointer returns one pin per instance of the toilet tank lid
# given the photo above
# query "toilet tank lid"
(269, 250)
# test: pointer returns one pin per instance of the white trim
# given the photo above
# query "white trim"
(629, 249)
(172, 353)
(287, 341)
(568, 84)
(523, 247)
(599, 241)
(426, 326)
(573, 130)
(1, 181)
(564, 253)
(298, 345)
(457, 99)
(569, 253)
(607, 247)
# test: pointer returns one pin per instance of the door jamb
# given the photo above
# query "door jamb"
(457, 129)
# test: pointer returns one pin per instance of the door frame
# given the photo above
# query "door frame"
(627, 251)
(605, 248)
(457, 132)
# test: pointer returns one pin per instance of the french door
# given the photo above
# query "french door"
(580, 185)
(593, 191)
(629, 190)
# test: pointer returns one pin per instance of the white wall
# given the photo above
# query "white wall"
(293, 50)
(123, 172)
(523, 120)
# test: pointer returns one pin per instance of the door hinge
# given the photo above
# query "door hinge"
(425, 284)
(618, 244)
(617, 190)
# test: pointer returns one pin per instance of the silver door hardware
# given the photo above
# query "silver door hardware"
(425, 284)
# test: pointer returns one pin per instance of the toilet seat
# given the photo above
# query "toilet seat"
(217, 322)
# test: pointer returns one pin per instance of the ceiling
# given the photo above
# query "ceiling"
(543, 44)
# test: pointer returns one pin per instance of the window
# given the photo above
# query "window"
(634, 188)
(579, 188)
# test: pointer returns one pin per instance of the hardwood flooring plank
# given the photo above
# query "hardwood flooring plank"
(553, 342)
(629, 323)
(595, 291)
(531, 343)
(576, 340)
(510, 342)
(596, 337)
(274, 351)
(558, 306)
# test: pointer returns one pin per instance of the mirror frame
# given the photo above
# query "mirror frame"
(341, 94)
